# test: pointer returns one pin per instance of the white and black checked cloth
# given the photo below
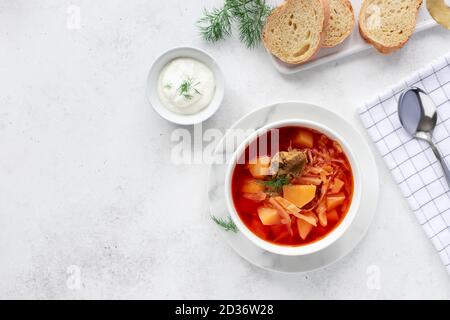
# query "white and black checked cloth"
(412, 162)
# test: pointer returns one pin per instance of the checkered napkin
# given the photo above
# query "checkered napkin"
(412, 162)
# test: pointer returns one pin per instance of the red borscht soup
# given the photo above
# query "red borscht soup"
(296, 193)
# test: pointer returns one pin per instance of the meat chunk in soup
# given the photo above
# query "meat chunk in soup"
(288, 163)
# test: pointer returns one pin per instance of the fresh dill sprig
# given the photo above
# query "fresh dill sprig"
(188, 86)
(276, 184)
(250, 15)
(215, 25)
(227, 223)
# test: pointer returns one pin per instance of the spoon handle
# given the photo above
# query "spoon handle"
(442, 161)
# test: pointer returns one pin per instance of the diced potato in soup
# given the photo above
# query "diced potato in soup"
(269, 216)
(304, 228)
(300, 195)
(252, 186)
(335, 200)
(259, 167)
(337, 185)
(304, 138)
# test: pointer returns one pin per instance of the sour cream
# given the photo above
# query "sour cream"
(186, 86)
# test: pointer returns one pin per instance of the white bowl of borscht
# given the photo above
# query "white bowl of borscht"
(293, 187)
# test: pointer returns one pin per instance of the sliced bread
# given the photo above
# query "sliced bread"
(388, 24)
(342, 21)
(295, 30)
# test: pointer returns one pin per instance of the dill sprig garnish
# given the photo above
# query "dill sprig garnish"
(215, 25)
(277, 183)
(250, 16)
(227, 224)
(188, 86)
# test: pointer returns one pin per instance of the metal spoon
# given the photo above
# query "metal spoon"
(418, 115)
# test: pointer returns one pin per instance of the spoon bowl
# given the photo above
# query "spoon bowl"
(418, 116)
(417, 112)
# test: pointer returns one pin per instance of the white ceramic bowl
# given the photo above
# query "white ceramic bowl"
(152, 85)
(334, 234)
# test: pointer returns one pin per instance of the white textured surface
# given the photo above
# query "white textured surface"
(86, 178)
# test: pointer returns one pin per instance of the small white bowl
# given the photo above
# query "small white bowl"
(152, 84)
(330, 238)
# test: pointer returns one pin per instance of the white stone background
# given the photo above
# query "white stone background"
(86, 177)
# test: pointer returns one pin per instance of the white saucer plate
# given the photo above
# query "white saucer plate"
(370, 188)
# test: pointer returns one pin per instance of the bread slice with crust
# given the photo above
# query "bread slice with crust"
(295, 30)
(342, 21)
(388, 24)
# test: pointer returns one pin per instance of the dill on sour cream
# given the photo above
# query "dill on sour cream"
(186, 86)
